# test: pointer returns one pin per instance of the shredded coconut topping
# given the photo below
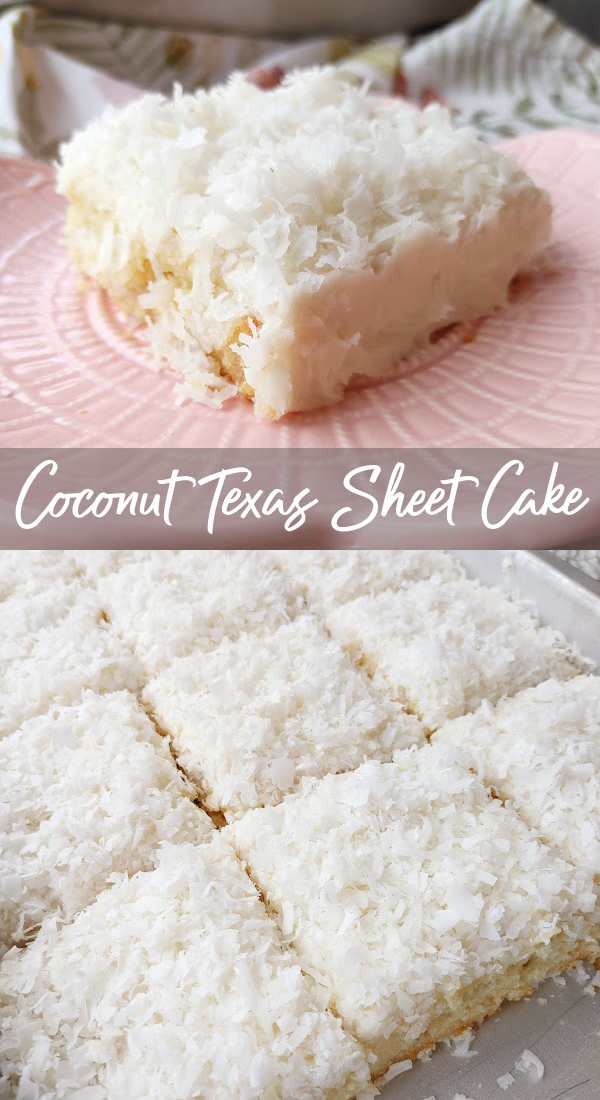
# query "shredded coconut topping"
(60, 646)
(541, 750)
(29, 573)
(98, 563)
(330, 578)
(165, 609)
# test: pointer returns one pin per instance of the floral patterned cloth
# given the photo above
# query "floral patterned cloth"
(508, 67)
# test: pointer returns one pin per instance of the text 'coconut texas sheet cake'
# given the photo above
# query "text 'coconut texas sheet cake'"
(284, 243)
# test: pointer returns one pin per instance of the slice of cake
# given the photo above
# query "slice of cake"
(443, 646)
(174, 984)
(168, 607)
(418, 901)
(284, 243)
(253, 717)
(541, 750)
(86, 793)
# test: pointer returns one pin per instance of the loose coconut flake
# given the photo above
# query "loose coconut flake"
(530, 1064)
(506, 1080)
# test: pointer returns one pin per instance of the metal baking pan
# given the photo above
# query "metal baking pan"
(560, 1023)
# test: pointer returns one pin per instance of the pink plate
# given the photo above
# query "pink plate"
(75, 372)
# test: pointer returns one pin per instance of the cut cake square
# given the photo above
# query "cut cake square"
(443, 646)
(86, 793)
(251, 718)
(167, 608)
(284, 243)
(174, 984)
(417, 900)
(541, 750)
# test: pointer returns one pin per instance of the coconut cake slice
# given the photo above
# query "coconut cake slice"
(285, 243)
(174, 984)
(442, 646)
(541, 750)
(86, 793)
(251, 718)
(418, 901)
